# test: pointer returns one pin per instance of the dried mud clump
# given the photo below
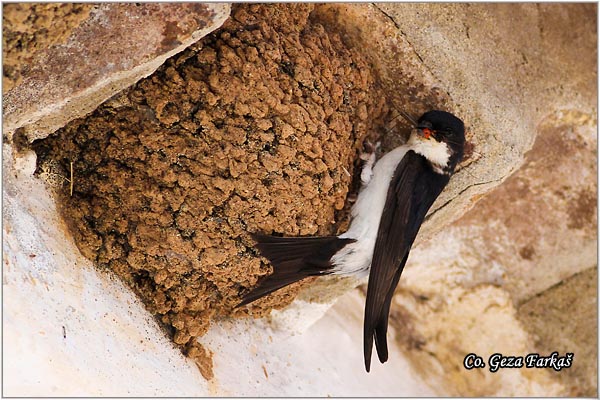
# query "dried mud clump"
(254, 129)
(29, 27)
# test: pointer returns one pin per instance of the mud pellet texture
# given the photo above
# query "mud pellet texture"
(254, 129)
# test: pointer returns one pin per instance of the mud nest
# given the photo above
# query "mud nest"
(254, 129)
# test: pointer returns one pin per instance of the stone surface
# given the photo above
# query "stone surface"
(31, 27)
(505, 67)
(540, 224)
(69, 68)
(462, 290)
(513, 72)
(322, 360)
(566, 317)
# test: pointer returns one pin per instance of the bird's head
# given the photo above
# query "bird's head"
(439, 137)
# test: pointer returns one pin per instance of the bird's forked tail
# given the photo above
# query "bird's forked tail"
(293, 259)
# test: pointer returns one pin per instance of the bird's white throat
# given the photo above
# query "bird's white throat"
(437, 153)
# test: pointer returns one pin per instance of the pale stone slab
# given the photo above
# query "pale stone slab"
(117, 45)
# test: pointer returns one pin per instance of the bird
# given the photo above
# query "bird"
(395, 195)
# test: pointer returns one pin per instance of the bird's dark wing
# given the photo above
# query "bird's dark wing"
(412, 191)
(293, 259)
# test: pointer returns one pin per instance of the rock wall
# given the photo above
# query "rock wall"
(521, 76)
(502, 260)
(29, 28)
(88, 53)
(472, 287)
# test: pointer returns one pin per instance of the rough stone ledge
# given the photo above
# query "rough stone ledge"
(115, 47)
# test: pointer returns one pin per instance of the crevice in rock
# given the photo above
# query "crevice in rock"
(446, 203)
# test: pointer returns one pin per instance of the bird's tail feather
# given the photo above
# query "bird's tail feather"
(293, 259)
(377, 311)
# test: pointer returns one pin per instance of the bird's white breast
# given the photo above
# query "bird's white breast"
(356, 257)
